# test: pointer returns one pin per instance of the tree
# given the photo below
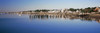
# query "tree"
(43, 10)
(89, 10)
(72, 9)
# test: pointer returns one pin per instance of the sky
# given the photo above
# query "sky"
(24, 5)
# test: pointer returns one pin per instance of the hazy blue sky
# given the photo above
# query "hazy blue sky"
(20, 5)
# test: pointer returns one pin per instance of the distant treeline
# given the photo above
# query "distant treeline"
(85, 10)
(43, 10)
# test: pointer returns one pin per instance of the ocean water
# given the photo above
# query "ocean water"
(14, 23)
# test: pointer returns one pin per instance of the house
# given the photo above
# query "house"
(97, 9)
(77, 10)
(52, 11)
(64, 10)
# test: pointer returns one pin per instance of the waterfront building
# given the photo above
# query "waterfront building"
(54, 11)
(77, 10)
(97, 9)
(64, 10)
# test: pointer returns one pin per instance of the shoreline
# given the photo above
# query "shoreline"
(85, 16)
(92, 15)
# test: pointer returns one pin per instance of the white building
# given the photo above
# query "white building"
(64, 10)
(77, 10)
(53, 11)
(99, 10)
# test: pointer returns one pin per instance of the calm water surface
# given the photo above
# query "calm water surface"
(13, 23)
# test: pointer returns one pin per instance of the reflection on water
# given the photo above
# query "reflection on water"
(34, 16)
(91, 19)
(47, 23)
(52, 16)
